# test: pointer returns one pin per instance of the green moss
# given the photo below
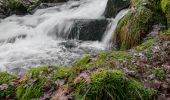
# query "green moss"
(5, 77)
(160, 73)
(121, 56)
(165, 4)
(168, 31)
(146, 44)
(112, 84)
(130, 29)
(37, 79)
(79, 66)
(61, 72)
(31, 90)
(135, 26)
(101, 60)
(36, 71)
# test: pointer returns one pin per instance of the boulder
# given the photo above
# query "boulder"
(133, 26)
(88, 29)
(22, 7)
(114, 6)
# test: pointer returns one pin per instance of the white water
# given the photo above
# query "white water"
(41, 46)
(34, 40)
(108, 36)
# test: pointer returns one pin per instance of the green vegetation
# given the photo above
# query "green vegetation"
(35, 72)
(130, 29)
(114, 85)
(165, 4)
(160, 73)
(9, 91)
(4, 77)
(135, 26)
(146, 44)
(28, 91)
(61, 72)
(115, 75)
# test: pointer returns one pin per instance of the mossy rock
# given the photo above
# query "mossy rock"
(19, 7)
(111, 85)
(132, 27)
(165, 4)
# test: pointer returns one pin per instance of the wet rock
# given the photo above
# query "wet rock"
(46, 5)
(114, 6)
(88, 29)
(69, 44)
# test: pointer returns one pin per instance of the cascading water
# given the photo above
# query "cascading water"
(42, 38)
(108, 36)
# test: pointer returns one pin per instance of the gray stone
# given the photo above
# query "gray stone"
(114, 6)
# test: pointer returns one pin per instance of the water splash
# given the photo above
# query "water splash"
(108, 36)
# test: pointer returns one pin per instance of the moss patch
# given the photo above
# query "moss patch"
(165, 4)
(28, 91)
(112, 84)
(146, 44)
(5, 77)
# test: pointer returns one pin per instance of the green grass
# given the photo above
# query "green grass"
(5, 77)
(112, 85)
(28, 91)
(146, 44)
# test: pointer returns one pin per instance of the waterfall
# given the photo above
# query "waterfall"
(41, 39)
(108, 36)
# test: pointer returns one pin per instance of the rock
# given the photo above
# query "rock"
(133, 27)
(22, 7)
(88, 29)
(114, 6)
(46, 5)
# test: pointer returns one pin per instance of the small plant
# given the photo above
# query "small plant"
(160, 74)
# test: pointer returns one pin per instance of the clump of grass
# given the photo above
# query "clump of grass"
(5, 77)
(35, 72)
(28, 91)
(146, 44)
(61, 72)
(112, 85)
(160, 73)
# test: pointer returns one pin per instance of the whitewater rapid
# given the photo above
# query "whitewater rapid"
(42, 38)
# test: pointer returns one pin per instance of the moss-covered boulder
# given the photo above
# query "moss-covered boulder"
(114, 6)
(19, 7)
(137, 23)
(165, 4)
